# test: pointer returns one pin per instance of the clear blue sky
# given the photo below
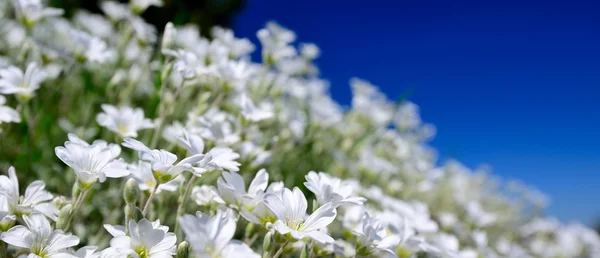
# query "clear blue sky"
(512, 84)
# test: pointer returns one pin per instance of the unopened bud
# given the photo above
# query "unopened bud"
(183, 250)
(131, 191)
(168, 36)
(75, 191)
(268, 242)
(305, 251)
(249, 230)
(63, 216)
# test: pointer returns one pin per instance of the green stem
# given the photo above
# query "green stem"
(78, 202)
(150, 200)
(182, 200)
(3, 249)
(280, 251)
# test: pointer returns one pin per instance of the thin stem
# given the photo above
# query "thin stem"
(3, 249)
(150, 199)
(78, 202)
(280, 251)
(182, 200)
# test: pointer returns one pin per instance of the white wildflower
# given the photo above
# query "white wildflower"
(93, 162)
(35, 199)
(212, 236)
(124, 121)
(39, 239)
(330, 189)
(290, 209)
(146, 239)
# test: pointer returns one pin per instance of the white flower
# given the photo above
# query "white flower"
(89, 48)
(223, 158)
(7, 114)
(86, 252)
(331, 189)
(114, 10)
(192, 142)
(275, 41)
(14, 81)
(372, 237)
(237, 47)
(39, 238)
(290, 209)
(31, 11)
(139, 6)
(407, 116)
(309, 51)
(187, 64)
(145, 240)
(162, 162)
(253, 113)
(94, 23)
(142, 173)
(232, 186)
(206, 195)
(212, 236)
(216, 158)
(125, 121)
(7, 219)
(480, 217)
(370, 102)
(92, 162)
(35, 199)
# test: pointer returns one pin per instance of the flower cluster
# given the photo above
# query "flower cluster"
(147, 144)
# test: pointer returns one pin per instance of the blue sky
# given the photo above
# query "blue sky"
(511, 84)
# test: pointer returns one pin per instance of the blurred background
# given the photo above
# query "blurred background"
(510, 84)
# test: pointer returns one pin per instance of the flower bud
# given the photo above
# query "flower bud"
(249, 230)
(305, 252)
(268, 242)
(63, 216)
(131, 191)
(7, 222)
(75, 191)
(168, 36)
(183, 250)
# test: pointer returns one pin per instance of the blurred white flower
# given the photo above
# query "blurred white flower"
(35, 199)
(86, 252)
(373, 239)
(232, 187)
(92, 162)
(236, 47)
(162, 162)
(275, 41)
(88, 48)
(370, 102)
(95, 24)
(253, 113)
(309, 51)
(212, 236)
(206, 195)
(142, 173)
(124, 121)
(39, 239)
(145, 239)
(139, 6)
(290, 209)
(8, 114)
(14, 81)
(115, 11)
(330, 189)
(407, 116)
(31, 11)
